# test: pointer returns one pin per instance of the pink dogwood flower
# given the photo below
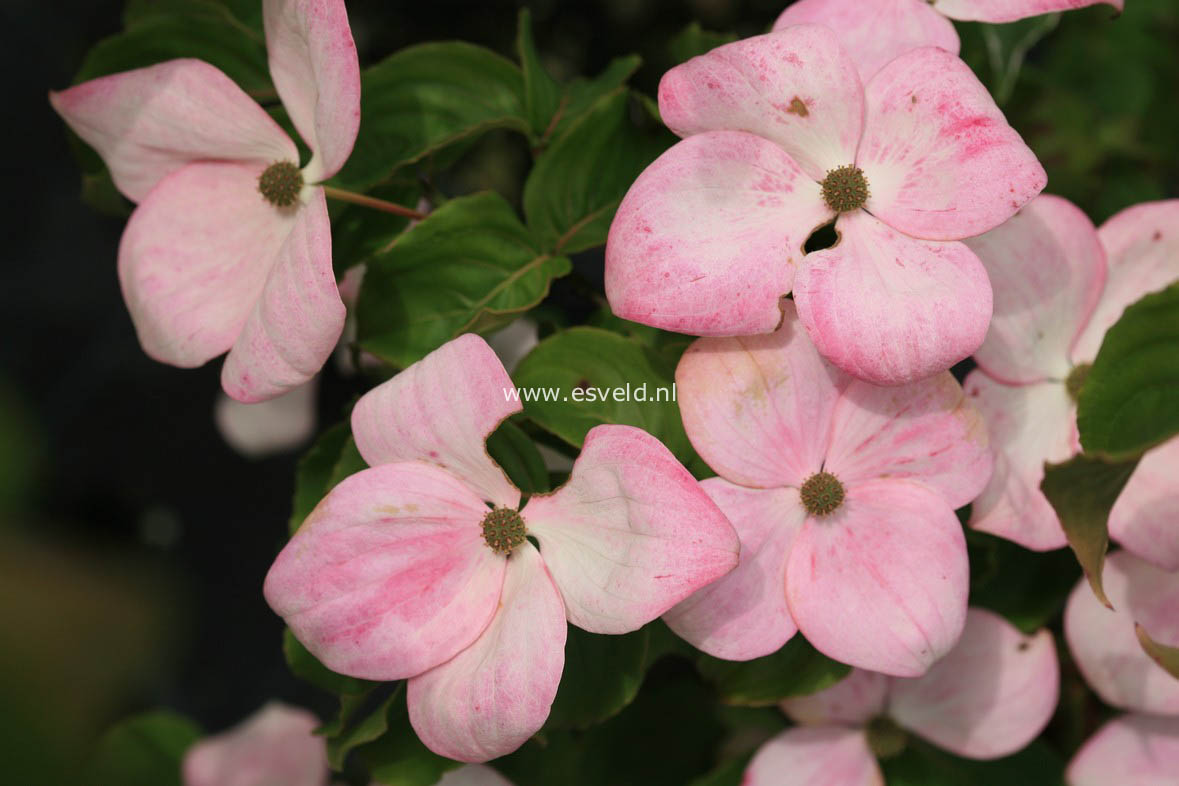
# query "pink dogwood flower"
(421, 567)
(781, 137)
(229, 248)
(876, 31)
(1060, 286)
(988, 697)
(843, 495)
(1131, 750)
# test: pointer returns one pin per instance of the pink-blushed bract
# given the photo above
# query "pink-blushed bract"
(276, 744)
(1130, 750)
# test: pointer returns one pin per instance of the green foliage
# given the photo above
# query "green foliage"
(921, 764)
(694, 40)
(602, 675)
(332, 458)
(360, 233)
(145, 750)
(306, 667)
(387, 744)
(1029, 588)
(797, 669)
(511, 448)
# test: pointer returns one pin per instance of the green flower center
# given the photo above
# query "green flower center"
(503, 529)
(1075, 379)
(280, 184)
(845, 189)
(885, 737)
(821, 494)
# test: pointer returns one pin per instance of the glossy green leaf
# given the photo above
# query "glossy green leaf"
(1162, 654)
(359, 233)
(1028, 588)
(921, 764)
(145, 750)
(306, 667)
(797, 669)
(542, 94)
(511, 448)
(602, 675)
(332, 458)
(387, 743)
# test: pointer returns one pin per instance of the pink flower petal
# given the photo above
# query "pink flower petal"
(441, 410)
(707, 238)
(1047, 268)
(744, 615)
(890, 309)
(194, 259)
(474, 775)
(148, 123)
(875, 32)
(853, 701)
(1028, 425)
(1133, 750)
(989, 696)
(1142, 247)
(298, 319)
(797, 88)
(631, 534)
(495, 694)
(316, 72)
(389, 576)
(1011, 10)
(881, 583)
(928, 431)
(940, 160)
(758, 409)
(274, 745)
(1145, 517)
(1103, 642)
(815, 756)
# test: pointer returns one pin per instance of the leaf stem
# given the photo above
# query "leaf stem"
(376, 204)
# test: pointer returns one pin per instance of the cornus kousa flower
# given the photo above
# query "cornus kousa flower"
(876, 31)
(1132, 750)
(989, 697)
(1057, 296)
(781, 137)
(843, 495)
(422, 567)
(229, 248)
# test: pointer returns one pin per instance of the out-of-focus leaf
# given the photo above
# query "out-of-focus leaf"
(1162, 654)
(797, 669)
(306, 667)
(1028, 588)
(602, 675)
(921, 764)
(730, 772)
(694, 40)
(542, 94)
(332, 458)
(1008, 45)
(389, 746)
(145, 750)
(511, 448)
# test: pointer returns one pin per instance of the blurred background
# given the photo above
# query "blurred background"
(134, 538)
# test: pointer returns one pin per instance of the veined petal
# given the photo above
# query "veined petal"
(815, 756)
(389, 575)
(315, 69)
(1144, 518)
(631, 534)
(1011, 10)
(744, 615)
(707, 238)
(150, 122)
(298, 319)
(441, 410)
(881, 583)
(890, 309)
(1131, 750)
(194, 259)
(853, 701)
(797, 88)
(940, 160)
(490, 698)
(989, 696)
(1047, 269)
(276, 744)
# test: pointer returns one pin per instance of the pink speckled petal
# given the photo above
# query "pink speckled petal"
(890, 309)
(1047, 268)
(1145, 519)
(758, 409)
(927, 431)
(853, 701)
(148, 123)
(989, 696)
(474, 775)
(1028, 425)
(1132, 750)
(194, 259)
(881, 582)
(389, 575)
(631, 534)
(1011, 10)
(815, 756)
(707, 238)
(276, 744)
(1142, 248)
(797, 88)
(490, 698)
(298, 319)
(1103, 642)
(940, 159)
(744, 615)
(441, 410)
(874, 33)
(316, 72)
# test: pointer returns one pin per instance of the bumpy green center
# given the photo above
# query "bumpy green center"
(281, 183)
(503, 529)
(885, 737)
(845, 189)
(821, 493)
(1075, 379)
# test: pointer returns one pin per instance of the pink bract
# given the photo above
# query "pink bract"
(1133, 750)
(208, 265)
(276, 744)
(391, 576)
(879, 582)
(1060, 285)
(711, 236)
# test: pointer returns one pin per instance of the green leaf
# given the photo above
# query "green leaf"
(694, 40)
(332, 458)
(1008, 44)
(602, 675)
(145, 750)
(921, 764)
(347, 736)
(427, 97)
(1162, 654)
(1028, 588)
(581, 94)
(797, 669)
(727, 773)
(1130, 400)
(470, 266)
(511, 448)
(542, 94)
(1082, 490)
(359, 233)
(306, 667)
(395, 756)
